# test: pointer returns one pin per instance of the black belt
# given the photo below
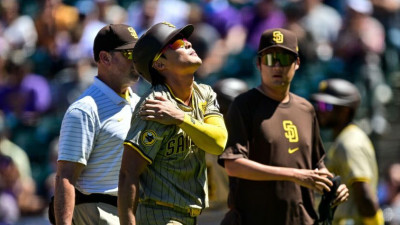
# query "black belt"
(81, 198)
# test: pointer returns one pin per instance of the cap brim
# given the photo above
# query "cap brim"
(127, 46)
(186, 31)
(321, 97)
(277, 46)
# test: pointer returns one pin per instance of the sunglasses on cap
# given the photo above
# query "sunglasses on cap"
(284, 59)
(323, 106)
(178, 43)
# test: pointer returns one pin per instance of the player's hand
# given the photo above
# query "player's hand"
(342, 194)
(161, 110)
(313, 179)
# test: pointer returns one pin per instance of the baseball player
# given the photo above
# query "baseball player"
(176, 123)
(274, 151)
(352, 154)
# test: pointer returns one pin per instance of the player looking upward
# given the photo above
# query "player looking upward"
(163, 172)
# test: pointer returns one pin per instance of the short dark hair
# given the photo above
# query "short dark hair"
(156, 77)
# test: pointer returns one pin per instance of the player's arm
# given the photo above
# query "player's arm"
(132, 166)
(366, 203)
(64, 197)
(209, 135)
(251, 170)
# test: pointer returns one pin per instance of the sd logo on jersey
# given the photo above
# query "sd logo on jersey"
(149, 137)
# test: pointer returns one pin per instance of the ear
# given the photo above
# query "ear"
(297, 63)
(258, 61)
(158, 65)
(105, 57)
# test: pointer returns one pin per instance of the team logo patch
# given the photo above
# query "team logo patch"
(149, 137)
(323, 85)
(291, 131)
(133, 32)
(277, 37)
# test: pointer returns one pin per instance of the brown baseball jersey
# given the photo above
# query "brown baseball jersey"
(275, 134)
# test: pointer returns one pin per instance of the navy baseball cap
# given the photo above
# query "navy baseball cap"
(114, 37)
(278, 37)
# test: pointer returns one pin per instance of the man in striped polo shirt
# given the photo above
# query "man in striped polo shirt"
(178, 121)
(92, 133)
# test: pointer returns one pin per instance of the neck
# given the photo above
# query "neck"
(339, 128)
(181, 87)
(114, 84)
(278, 94)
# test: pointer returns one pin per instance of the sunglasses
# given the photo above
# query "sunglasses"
(128, 54)
(323, 107)
(179, 43)
(284, 59)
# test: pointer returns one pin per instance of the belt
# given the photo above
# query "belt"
(81, 198)
(193, 212)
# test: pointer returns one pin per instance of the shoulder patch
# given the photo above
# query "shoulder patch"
(148, 137)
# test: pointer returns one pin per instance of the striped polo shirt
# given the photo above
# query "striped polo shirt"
(92, 133)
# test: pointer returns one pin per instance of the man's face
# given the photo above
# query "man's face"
(124, 66)
(326, 113)
(180, 57)
(277, 67)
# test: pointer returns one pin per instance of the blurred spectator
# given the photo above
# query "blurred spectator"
(360, 35)
(311, 70)
(18, 30)
(360, 45)
(324, 23)
(264, 14)
(10, 149)
(24, 99)
(391, 202)
(94, 14)
(388, 13)
(9, 211)
(56, 24)
(18, 183)
(143, 14)
(24, 95)
(221, 15)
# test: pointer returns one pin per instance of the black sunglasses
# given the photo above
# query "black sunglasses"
(284, 59)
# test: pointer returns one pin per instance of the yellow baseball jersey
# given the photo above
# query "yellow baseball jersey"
(177, 168)
(352, 156)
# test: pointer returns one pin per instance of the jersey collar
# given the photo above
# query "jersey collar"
(110, 93)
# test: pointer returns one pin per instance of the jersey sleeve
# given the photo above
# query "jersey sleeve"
(318, 151)
(238, 134)
(147, 137)
(350, 159)
(77, 135)
(212, 107)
